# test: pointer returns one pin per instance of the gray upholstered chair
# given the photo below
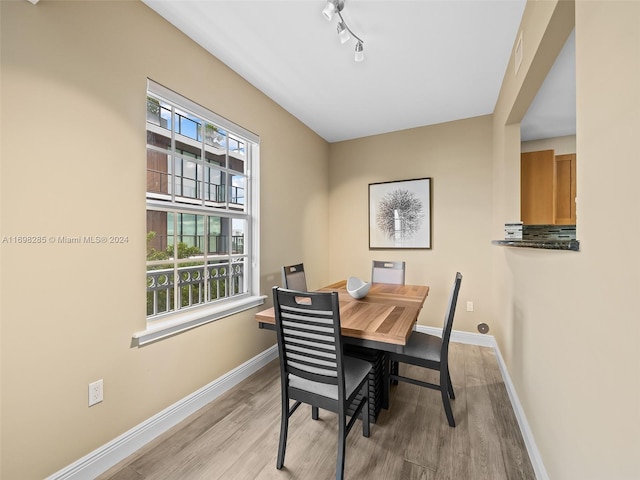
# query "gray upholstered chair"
(432, 352)
(313, 369)
(387, 272)
(293, 277)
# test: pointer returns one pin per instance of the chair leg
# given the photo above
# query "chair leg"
(444, 392)
(314, 413)
(452, 395)
(342, 443)
(284, 428)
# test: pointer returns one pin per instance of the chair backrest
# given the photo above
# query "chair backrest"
(448, 319)
(387, 272)
(309, 341)
(293, 277)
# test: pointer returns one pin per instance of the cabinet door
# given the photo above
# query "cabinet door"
(566, 189)
(537, 187)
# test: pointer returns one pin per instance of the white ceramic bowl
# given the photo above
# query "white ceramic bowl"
(357, 288)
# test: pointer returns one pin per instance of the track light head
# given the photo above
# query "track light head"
(332, 7)
(359, 52)
(343, 32)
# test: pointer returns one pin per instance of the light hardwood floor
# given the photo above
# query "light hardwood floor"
(236, 436)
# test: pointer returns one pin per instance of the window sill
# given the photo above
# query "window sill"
(184, 321)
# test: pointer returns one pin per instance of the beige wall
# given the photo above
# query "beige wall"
(457, 156)
(73, 163)
(570, 330)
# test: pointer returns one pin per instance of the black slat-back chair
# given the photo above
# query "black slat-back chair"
(294, 278)
(430, 351)
(313, 369)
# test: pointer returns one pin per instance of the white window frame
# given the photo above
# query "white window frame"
(175, 322)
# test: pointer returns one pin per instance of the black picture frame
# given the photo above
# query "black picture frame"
(400, 214)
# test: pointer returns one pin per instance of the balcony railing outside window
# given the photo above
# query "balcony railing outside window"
(223, 280)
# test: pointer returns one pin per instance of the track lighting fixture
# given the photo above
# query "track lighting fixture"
(359, 53)
(343, 33)
(330, 9)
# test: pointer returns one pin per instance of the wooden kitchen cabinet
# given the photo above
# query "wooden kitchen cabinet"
(566, 189)
(537, 187)
(547, 188)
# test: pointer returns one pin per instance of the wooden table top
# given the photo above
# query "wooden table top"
(387, 314)
(385, 293)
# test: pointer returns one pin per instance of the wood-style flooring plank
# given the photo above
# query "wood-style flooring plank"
(126, 473)
(486, 453)
(514, 451)
(254, 415)
(236, 436)
(162, 458)
(411, 471)
(423, 449)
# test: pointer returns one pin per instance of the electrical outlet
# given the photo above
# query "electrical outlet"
(469, 306)
(95, 392)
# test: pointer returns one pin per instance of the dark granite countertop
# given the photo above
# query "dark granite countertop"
(549, 244)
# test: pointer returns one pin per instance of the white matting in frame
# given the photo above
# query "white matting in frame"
(400, 214)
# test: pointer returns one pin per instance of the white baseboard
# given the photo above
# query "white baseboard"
(490, 341)
(105, 457)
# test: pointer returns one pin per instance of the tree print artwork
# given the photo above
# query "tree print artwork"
(399, 215)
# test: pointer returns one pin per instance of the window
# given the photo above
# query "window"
(202, 193)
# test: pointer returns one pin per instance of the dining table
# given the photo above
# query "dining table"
(380, 322)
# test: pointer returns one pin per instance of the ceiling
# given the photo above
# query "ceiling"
(553, 111)
(425, 61)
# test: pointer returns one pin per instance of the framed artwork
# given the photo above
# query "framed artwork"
(400, 214)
